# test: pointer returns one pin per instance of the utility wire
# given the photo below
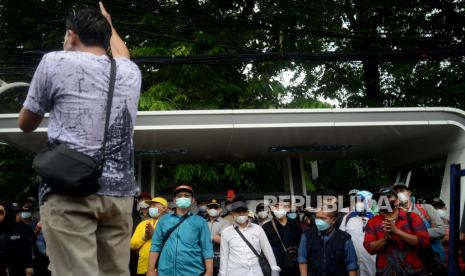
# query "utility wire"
(217, 59)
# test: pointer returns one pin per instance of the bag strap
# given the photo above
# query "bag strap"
(277, 233)
(423, 212)
(168, 235)
(247, 242)
(111, 90)
(409, 220)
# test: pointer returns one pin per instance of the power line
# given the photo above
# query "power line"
(302, 56)
(218, 59)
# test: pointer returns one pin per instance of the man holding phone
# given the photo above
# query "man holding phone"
(393, 239)
(88, 235)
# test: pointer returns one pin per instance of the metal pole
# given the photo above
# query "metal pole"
(454, 219)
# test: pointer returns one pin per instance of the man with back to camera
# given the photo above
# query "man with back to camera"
(88, 235)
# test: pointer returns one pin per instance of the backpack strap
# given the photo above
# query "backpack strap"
(409, 220)
(423, 212)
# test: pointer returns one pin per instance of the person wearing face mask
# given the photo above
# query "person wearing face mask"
(143, 206)
(27, 218)
(262, 215)
(15, 242)
(284, 235)
(182, 243)
(396, 237)
(354, 224)
(236, 257)
(202, 207)
(139, 213)
(142, 238)
(216, 224)
(427, 212)
(435, 256)
(230, 197)
(328, 251)
(441, 209)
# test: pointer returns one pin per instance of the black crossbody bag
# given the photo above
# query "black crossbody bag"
(264, 264)
(68, 171)
(291, 253)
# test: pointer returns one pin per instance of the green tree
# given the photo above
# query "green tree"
(188, 28)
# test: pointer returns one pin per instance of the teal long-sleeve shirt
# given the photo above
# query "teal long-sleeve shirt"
(186, 249)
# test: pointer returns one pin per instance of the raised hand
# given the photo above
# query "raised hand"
(105, 13)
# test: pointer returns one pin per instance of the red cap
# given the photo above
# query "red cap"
(145, 194)
(230, 195)
(183, 188)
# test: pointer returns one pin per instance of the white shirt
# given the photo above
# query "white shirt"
(237, 259)
(354, 227)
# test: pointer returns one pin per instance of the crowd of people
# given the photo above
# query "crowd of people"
(402, 237)
(22, 244)
(229, 238)
(385, 233)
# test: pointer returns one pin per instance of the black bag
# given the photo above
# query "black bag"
(264, 264)
(291, 253)
(68, 171)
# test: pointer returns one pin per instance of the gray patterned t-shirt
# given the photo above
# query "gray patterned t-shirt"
(73, 88)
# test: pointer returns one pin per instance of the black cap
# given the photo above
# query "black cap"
(237, 205)
(400, 185)
(438, 203)
(260, 207)
(213, 203)
(385, 191)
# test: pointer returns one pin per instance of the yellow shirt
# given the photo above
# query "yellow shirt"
(138, 242)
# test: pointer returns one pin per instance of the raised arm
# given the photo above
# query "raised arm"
(117, 45)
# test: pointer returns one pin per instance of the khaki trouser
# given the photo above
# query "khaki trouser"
(87, 236)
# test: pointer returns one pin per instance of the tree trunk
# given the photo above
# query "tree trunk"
(371, 80)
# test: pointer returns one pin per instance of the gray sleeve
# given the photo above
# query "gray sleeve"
(437, 229)
(224, 224)
(38, 97)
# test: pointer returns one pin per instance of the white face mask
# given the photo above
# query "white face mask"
(143, 205)
(262, 214)
(359, 206)
(279, 213)
(153, 212)
(442, 213)
(213, 212)
(403, 197)
(241, 219)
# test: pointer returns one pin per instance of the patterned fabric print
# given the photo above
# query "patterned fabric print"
(73, 87)
(397, 258)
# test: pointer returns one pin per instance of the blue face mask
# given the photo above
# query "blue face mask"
(153, 212)
(292, 215)
(26, 215)
(183, 202)
(322, 225)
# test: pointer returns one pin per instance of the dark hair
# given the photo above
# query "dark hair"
(91, 26)
(10, 218)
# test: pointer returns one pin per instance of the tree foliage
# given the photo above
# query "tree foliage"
(187, 28)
